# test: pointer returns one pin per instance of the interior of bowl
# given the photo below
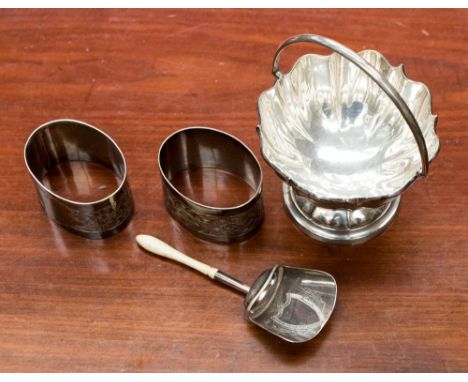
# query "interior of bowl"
(328, 128)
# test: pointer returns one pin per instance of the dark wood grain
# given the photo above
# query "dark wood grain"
(71, 304)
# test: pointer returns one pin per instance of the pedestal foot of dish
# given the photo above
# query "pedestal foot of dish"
(338, 226)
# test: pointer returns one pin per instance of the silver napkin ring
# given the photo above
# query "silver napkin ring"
(70, 140)
(202, 147)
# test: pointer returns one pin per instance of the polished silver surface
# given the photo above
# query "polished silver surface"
(338, 226)
(346, 131)
(230, 281)
(70, 140)
(292, 303)
(202, 147)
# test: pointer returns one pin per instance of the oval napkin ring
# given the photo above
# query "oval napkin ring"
(70, 140)
(203, 147)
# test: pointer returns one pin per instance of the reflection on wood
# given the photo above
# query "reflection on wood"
(213, 187)
(81, 181)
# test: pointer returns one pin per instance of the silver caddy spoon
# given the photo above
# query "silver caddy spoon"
(294, 304)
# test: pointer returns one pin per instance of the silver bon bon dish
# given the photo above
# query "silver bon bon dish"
(348, 133)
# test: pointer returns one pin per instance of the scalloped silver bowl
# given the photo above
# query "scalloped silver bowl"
(342, 145)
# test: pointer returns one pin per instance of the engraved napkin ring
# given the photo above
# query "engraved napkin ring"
(70, 140)
(201, 147)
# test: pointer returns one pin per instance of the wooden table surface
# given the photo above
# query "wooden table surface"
(72, 304)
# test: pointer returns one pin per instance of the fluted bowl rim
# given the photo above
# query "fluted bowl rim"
(333, 201)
